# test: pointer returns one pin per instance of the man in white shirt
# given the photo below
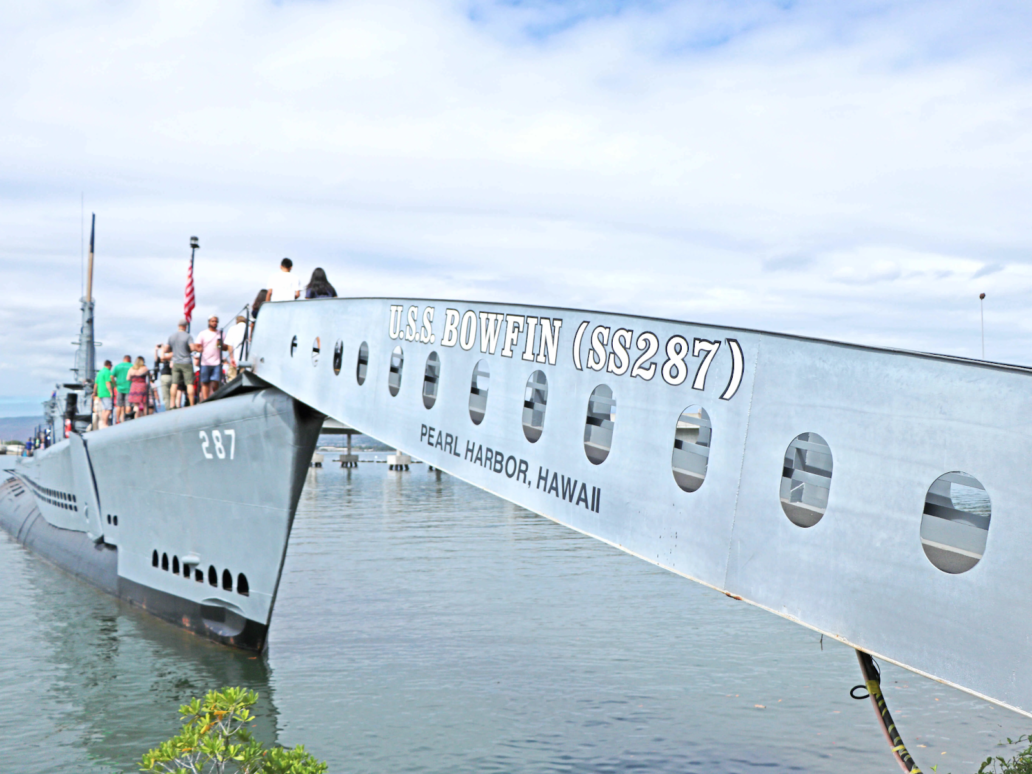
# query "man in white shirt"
(235, 341)
(284, 286)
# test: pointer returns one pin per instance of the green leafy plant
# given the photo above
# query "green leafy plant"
(216, 740)
(1019, 764)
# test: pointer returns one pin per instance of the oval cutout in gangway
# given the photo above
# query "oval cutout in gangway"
(338, 357)
(599, 423)
(690, 458)
(430, 379)
(955, 523)
(535, 401)
(394, 376)
(478, 391)
(363, 363)
(806, 479)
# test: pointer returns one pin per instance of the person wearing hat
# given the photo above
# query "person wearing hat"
(182, 345)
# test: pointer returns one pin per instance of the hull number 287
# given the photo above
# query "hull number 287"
(222, 443)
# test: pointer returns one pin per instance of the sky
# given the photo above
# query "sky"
(857, 171)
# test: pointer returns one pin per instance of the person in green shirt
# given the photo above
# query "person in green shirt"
(122, 385)
(102, 389)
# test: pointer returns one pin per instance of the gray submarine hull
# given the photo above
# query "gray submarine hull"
(185, 514)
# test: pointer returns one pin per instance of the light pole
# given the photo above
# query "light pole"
(981, 314)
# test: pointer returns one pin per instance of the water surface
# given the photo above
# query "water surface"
(425, 626)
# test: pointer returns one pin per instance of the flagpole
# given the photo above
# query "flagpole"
(189, 303)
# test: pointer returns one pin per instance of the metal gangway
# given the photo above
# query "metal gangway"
(879, 497)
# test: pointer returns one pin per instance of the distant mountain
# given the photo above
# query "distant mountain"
(18, 428)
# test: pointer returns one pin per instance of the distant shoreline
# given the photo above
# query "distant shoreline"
(18, 428)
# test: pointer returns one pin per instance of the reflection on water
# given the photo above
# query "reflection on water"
(90, 684)
(423, 625)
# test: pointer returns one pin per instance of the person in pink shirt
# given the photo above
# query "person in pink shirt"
(212, 346)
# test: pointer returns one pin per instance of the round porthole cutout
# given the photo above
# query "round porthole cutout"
(478, 388)
(690, 457)
(363, 364)
(431, 377)
(535, 401)
(599, 423)
(394, 375)
(806, 479)
(955, 523)
(338, 357)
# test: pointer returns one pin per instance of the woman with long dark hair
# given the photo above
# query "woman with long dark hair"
(258, 301)
(319, 286)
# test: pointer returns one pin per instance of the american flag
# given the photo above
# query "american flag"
(189, 304)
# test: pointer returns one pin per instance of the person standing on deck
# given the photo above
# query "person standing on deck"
(162, 377)
(319, 286)
(211, 346)
(139, 378)
(235, 339)
(122, 387)
(284, 286)
(182, 348)
(102, 388)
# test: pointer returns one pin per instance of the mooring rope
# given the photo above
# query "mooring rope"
(872, 682)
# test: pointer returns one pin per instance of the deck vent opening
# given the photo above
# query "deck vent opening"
(109, 518)
(316, 349)
(186, 570)
(154, 559)
(478, 391)
(363, 363)
(164, 561)
(198, 575)
(690, 459)
(955, 523)
(430, 379)
(599, 423)
(806, 479)
(338, 357)
(175, 565)
(115, 520)
(227, 580)
(293, 346)
(213, 576)
(394, 376)
(535, 400)
(242, 587)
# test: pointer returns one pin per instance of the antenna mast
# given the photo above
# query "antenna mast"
(87, 349)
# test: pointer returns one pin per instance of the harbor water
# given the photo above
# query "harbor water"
(423, 625)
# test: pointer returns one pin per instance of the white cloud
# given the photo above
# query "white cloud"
(850, 171)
